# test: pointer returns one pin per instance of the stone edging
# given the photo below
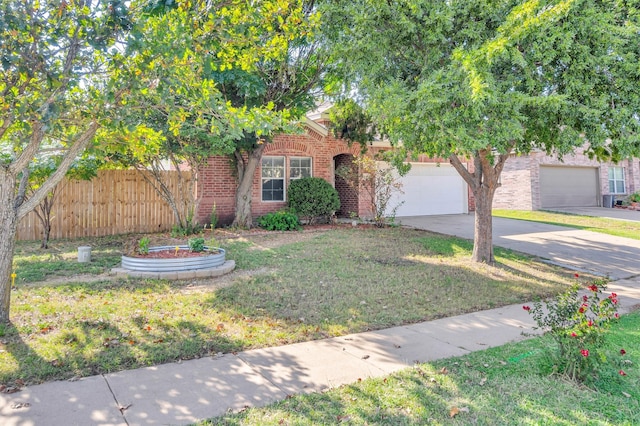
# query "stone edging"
(218, 271)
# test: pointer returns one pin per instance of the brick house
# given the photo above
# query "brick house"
(431, 187)
(540, 181)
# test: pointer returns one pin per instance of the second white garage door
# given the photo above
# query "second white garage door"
(430, 189)
(568, 186)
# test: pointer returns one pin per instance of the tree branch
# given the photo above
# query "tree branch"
(74, 150)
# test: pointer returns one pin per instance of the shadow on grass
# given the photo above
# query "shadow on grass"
(95, 347)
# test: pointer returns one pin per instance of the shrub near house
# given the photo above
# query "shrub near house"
(313, 198)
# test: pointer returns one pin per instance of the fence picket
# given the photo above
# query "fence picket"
(115, 202)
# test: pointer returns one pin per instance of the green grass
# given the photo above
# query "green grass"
(500, 386)
(33, 264)
(619, 228)
(289, 287)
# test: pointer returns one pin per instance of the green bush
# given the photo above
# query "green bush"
(635, 197)
(196, 244)
(279, 221)
(577, 324)
(143, 245)
(312, 198)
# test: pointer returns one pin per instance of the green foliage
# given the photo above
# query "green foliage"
(635, 197)
(279, 221)
(143, 245)
(351, 122)
(196, 244)
(213, 217)
(212, 243)
(457, 77)
(188, 227)
(312, 198)
(578, 325)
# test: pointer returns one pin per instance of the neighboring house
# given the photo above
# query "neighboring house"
(430, 187)
(539, 181)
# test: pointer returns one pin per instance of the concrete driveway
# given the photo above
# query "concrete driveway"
(601, 254)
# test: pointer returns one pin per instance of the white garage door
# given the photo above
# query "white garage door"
(568, 186)
(431, 189)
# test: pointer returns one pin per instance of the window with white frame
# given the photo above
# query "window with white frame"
(299, 167)
(273, 174)
(616, 180)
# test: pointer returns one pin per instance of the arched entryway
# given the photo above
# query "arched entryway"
(347, 193)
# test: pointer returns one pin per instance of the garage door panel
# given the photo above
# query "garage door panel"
(430, 190)
(568, 186)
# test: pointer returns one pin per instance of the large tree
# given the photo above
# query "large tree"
(215, 78)
(485, 79)
(287, 84)
(52, 62)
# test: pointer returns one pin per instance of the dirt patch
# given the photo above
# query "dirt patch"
(274, 239)
(212, 284)
(173, 254)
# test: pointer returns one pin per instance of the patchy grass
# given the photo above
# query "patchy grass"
(619, 228)
(289, 287)
(499, 386)
(33, 264)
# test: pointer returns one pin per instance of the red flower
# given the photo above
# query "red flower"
(581, 310)
(590, 323)
(613, 296)
(585, 352)
(616, 315)
(526, 308)
(576, 275)
(573, 334)
(614, 301)
(622, 373)
(585, 298)
(622, 352)
(593, 287)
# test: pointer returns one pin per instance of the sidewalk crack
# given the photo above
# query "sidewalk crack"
(121, 408)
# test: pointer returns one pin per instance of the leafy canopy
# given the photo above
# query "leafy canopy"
(455, 77)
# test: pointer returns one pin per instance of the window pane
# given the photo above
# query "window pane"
(612, 186)
(620, 187)
(273, 178)
(299, 167)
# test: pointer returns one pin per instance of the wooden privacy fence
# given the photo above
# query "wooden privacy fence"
(115, 202)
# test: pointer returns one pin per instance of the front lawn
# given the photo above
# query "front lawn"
(508, 385)
(288, 287)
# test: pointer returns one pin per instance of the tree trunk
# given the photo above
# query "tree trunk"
(8, 227)
(246, 169)
(43, 212)
(483, 182)
(483, 226)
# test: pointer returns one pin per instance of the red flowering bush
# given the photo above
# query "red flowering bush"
(577, 324)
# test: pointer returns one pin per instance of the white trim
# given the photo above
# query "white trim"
(318, 128)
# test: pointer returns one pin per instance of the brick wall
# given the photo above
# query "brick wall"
(515, 185)
(348, 194)
(217, 182)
